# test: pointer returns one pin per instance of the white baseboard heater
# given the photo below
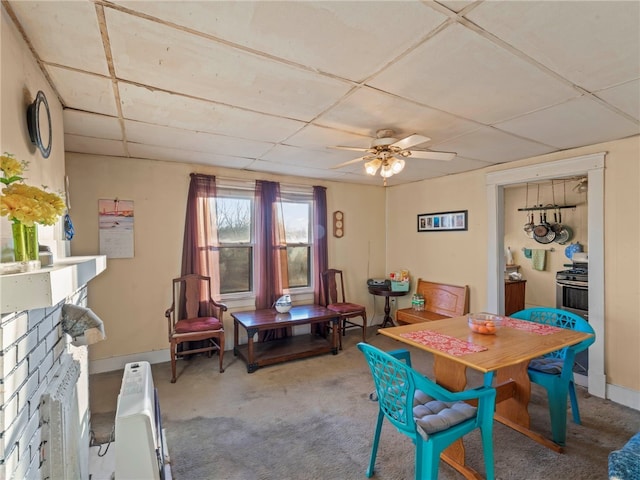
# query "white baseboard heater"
(140, 447)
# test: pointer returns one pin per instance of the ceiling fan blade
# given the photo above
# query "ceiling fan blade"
(355, 160)
(410, 141)
(432, 155)
(355, 149)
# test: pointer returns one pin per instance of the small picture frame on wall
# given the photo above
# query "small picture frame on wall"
(442, 221)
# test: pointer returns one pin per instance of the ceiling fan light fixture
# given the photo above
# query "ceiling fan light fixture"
(372, 167)
(397, 166)
(386, 171)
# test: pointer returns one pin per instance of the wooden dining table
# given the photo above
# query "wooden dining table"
(503, 358)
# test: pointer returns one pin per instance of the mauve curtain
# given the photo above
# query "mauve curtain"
(320, 250)
(200, 253)
(271, 248)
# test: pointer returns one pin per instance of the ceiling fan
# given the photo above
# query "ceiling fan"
(388, 153)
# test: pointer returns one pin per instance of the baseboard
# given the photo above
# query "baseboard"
(624, 396)
(118, 363)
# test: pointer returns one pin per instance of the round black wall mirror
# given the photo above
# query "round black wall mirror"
(39, 123)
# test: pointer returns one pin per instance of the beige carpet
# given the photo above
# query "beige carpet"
(312, 419)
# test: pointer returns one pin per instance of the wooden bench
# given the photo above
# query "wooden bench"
(440, 301)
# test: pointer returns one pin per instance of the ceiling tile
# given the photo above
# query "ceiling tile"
(626, 97)
(456, 5)
(463, 73)
(457, 165)
(81, 45)
(327, 158)
(96, 146)
(318, 137)
(156, 152)
(593, 44)
(367, 110)
(491, 145)
(574, 123)
(148, 134)
(84, 91)
(296, 170)
(91, 125)
(150, 53)
(187, 113)
(333, 37)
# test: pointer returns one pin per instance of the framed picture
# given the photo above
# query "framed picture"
(442, 221)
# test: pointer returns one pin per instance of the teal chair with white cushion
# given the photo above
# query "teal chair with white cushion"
(554, 371)
(430, 415)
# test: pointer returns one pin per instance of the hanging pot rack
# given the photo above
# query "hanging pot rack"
(545, 207)
(549, 206)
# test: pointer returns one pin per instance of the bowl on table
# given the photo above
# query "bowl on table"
(484, 323)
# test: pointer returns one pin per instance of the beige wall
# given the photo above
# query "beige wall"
(132, 294)
(460, 257)
(20, 80)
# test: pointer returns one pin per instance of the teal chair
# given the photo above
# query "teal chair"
(554, 371)
(430, 415)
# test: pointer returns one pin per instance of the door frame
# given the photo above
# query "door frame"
(592, 166)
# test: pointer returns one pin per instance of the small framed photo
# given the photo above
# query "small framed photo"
(442, 221)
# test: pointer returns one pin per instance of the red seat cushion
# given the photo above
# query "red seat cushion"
(345, 307)
(199, 324)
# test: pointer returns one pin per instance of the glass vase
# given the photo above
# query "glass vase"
(31, 240)
(19, 242)
(25, 242)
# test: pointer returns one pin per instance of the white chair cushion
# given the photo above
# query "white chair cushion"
(434, 416)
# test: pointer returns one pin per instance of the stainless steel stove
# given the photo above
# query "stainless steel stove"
(572, 294)
(578, 275)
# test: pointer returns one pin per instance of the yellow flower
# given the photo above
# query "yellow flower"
(11, 168)
(24, 203)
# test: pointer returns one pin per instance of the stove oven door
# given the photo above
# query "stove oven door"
(574, 297)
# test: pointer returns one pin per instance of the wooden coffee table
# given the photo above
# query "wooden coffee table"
(259, 354)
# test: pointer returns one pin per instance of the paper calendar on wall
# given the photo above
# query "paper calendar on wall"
(116, 228)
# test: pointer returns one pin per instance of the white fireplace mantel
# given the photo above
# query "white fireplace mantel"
(48, 286)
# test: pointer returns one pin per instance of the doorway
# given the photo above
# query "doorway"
(591, 166)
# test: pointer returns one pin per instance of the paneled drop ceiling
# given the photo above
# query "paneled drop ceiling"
(269, 86)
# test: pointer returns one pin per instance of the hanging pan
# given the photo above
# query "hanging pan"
(542, 228)
(528, 227)
(543, 233)
(556, 226)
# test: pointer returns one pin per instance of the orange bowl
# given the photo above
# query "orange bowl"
(484, 323)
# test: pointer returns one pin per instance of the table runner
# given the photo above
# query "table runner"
(532, 327)
(444, 343)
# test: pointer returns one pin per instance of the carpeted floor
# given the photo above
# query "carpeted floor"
(312, 419)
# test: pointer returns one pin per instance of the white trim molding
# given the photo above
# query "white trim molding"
(593, 166)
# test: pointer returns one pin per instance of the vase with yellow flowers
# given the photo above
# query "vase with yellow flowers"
(26, 207)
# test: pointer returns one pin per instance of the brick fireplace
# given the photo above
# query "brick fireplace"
(44, 387)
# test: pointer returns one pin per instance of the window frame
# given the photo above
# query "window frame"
(294, 194)
(289, 194)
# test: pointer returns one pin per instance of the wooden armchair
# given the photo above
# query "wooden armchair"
(333, 286)
(194, 317)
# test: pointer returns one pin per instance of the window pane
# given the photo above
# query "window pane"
(299, 267)
(296, 221)
(235, 269)
(234, 219)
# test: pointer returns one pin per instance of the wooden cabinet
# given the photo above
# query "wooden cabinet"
(514, 296)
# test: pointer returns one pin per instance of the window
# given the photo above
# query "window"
(235, 226)
(297, 213)
(234, 215)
